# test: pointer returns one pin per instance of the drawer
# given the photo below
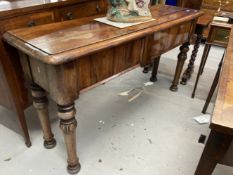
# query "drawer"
(30, 20)
(86, 9)
(220, 36)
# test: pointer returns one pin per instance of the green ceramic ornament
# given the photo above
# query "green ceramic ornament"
(128, 11)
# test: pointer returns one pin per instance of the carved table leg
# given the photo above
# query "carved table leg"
(68, 125)
(188, 72)
(214, 151)
(155, 69)
(181, 59)
(40, 102)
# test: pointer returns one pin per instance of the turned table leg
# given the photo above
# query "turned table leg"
(214, 151)
(40, 102)
(181, 59)
(188, 72)
(213, 86)
(68, 126)
(201, 67)
(155, 69)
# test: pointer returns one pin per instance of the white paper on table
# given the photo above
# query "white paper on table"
(119, 24)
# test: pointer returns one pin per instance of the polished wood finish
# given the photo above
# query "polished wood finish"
(29, 13)
(222, 117)
(219, 146)
(64, 58)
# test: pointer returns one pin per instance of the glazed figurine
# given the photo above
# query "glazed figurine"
(128, 11)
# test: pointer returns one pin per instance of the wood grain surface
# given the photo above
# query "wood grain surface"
(66, 41)
(222, 119)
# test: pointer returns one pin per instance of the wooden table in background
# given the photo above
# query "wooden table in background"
(218, 36)
(219, 148)
(64, 58)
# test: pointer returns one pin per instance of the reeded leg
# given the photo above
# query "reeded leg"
(188, 72)
(213, 87)
(40, 102)
(181, 59)
(214, 152)
(155, 70)
(68, 125)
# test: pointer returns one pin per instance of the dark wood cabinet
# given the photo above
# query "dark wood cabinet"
(18, 14)
(190, 4)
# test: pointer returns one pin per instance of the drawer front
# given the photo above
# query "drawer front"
(29, 20)
(83, 10)
(220, 36)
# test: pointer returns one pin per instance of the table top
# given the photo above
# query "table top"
(64, 41)
(222, 119)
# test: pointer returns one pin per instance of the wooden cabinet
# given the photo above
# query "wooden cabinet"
(196, 4)
(15, 15)
(214, 5)
(219, 36)
(89, 8)
(210, 7)
(29, 20)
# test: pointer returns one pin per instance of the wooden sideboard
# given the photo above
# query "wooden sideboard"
(67, 57)
(28, 13)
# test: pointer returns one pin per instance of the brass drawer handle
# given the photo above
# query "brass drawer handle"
(69, 16)
(98, 8)
(31, 23)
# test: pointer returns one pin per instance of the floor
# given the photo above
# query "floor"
(153, 135)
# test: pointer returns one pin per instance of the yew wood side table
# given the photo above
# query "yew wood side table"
(63, 58)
